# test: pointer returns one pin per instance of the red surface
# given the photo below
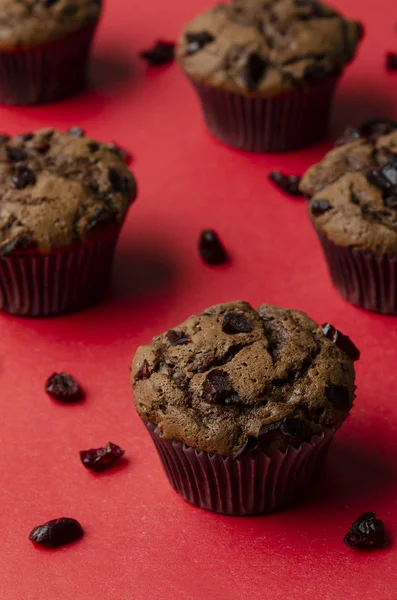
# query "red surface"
(142, 541)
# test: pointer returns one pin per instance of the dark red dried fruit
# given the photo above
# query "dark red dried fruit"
(319, 207)
(76, 131)
(287, 183)
(217, 388)
(254, 71)
(100, 459)
(236, 323)
(143, 371)
(375, 128)
(211, 248)
(343, 342)
(338, 395)
(161, 53)
(23, 177)
(64, 387)
(57, 532)
(177, 338)
(391, 61)
(197, 41)
(349, 135)
(14, 154)
(366, 532)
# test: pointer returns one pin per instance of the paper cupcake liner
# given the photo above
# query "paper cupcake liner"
(365, 279)
(47, 72)
(245, 485)
(41, 285)
(286, 122)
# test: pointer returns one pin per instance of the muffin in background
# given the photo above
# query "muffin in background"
(242, 404)
(353, 206)
(265, 71)
(64, 198)
(44, 48)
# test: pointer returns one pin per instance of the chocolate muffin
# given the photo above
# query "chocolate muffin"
(265, 71)
(44, 48)
(353, 207)
(239, 401)
(64, 198)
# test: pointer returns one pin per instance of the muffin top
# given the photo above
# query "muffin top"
(233, 378)
(265, 47)
(25, 23)
(353, 190)
(56, 188)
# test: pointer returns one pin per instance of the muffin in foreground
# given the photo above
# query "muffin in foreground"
(242, 404)
(265, 71)
(353, 207)
(44, 48)
(64, 198)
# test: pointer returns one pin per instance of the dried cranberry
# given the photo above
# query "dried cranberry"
(197, 41)
(143, 371)
(100, 459)
(236, 323)
(287, 183)
(375, 128)
(217, 387)
(349, 135)
(23, 177)
(319, 207)
(161, 53)
(177, 338)
(211, 248)
(338, 395)
(64, 387)
(343, 342)
(76, 131)
(254, 71)
(15, 155)
(57, 532)
(391, 61)
(366, 532)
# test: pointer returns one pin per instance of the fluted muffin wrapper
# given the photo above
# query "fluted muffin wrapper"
(246, 485)
(46, 72)
(286, 122)
(365, 279)
(37, 284)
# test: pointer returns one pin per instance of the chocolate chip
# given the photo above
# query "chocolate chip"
(236, 323)
(41, 147)
(376, 128)
(217, 388)
(390, 202)
(57, 532)
(319, 207)
(366, 532)
(391, 61)
(254, 71)
(197, 41)
(343, 342)
(64, 388)
(314, 73)
(375, 177)
(295, 428)
(268, 427)
(161, 53)
(101, 215)
(76, 131)
(143, 371)
(100, 459)
(15, 155)
(20, 242)
(4, 138)
(93, 146)
(287, 183)
(119, 183)
(23, 177)
(250, 443)
(349, 135)
(389, 172)
(211, 248)
(177, 338)
(339, 396)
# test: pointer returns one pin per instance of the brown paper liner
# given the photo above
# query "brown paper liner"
(363, 278)
(47, 72)
(35, 284)
(286, 122)
(245, 485)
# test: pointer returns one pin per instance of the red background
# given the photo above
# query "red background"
(142, 540)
